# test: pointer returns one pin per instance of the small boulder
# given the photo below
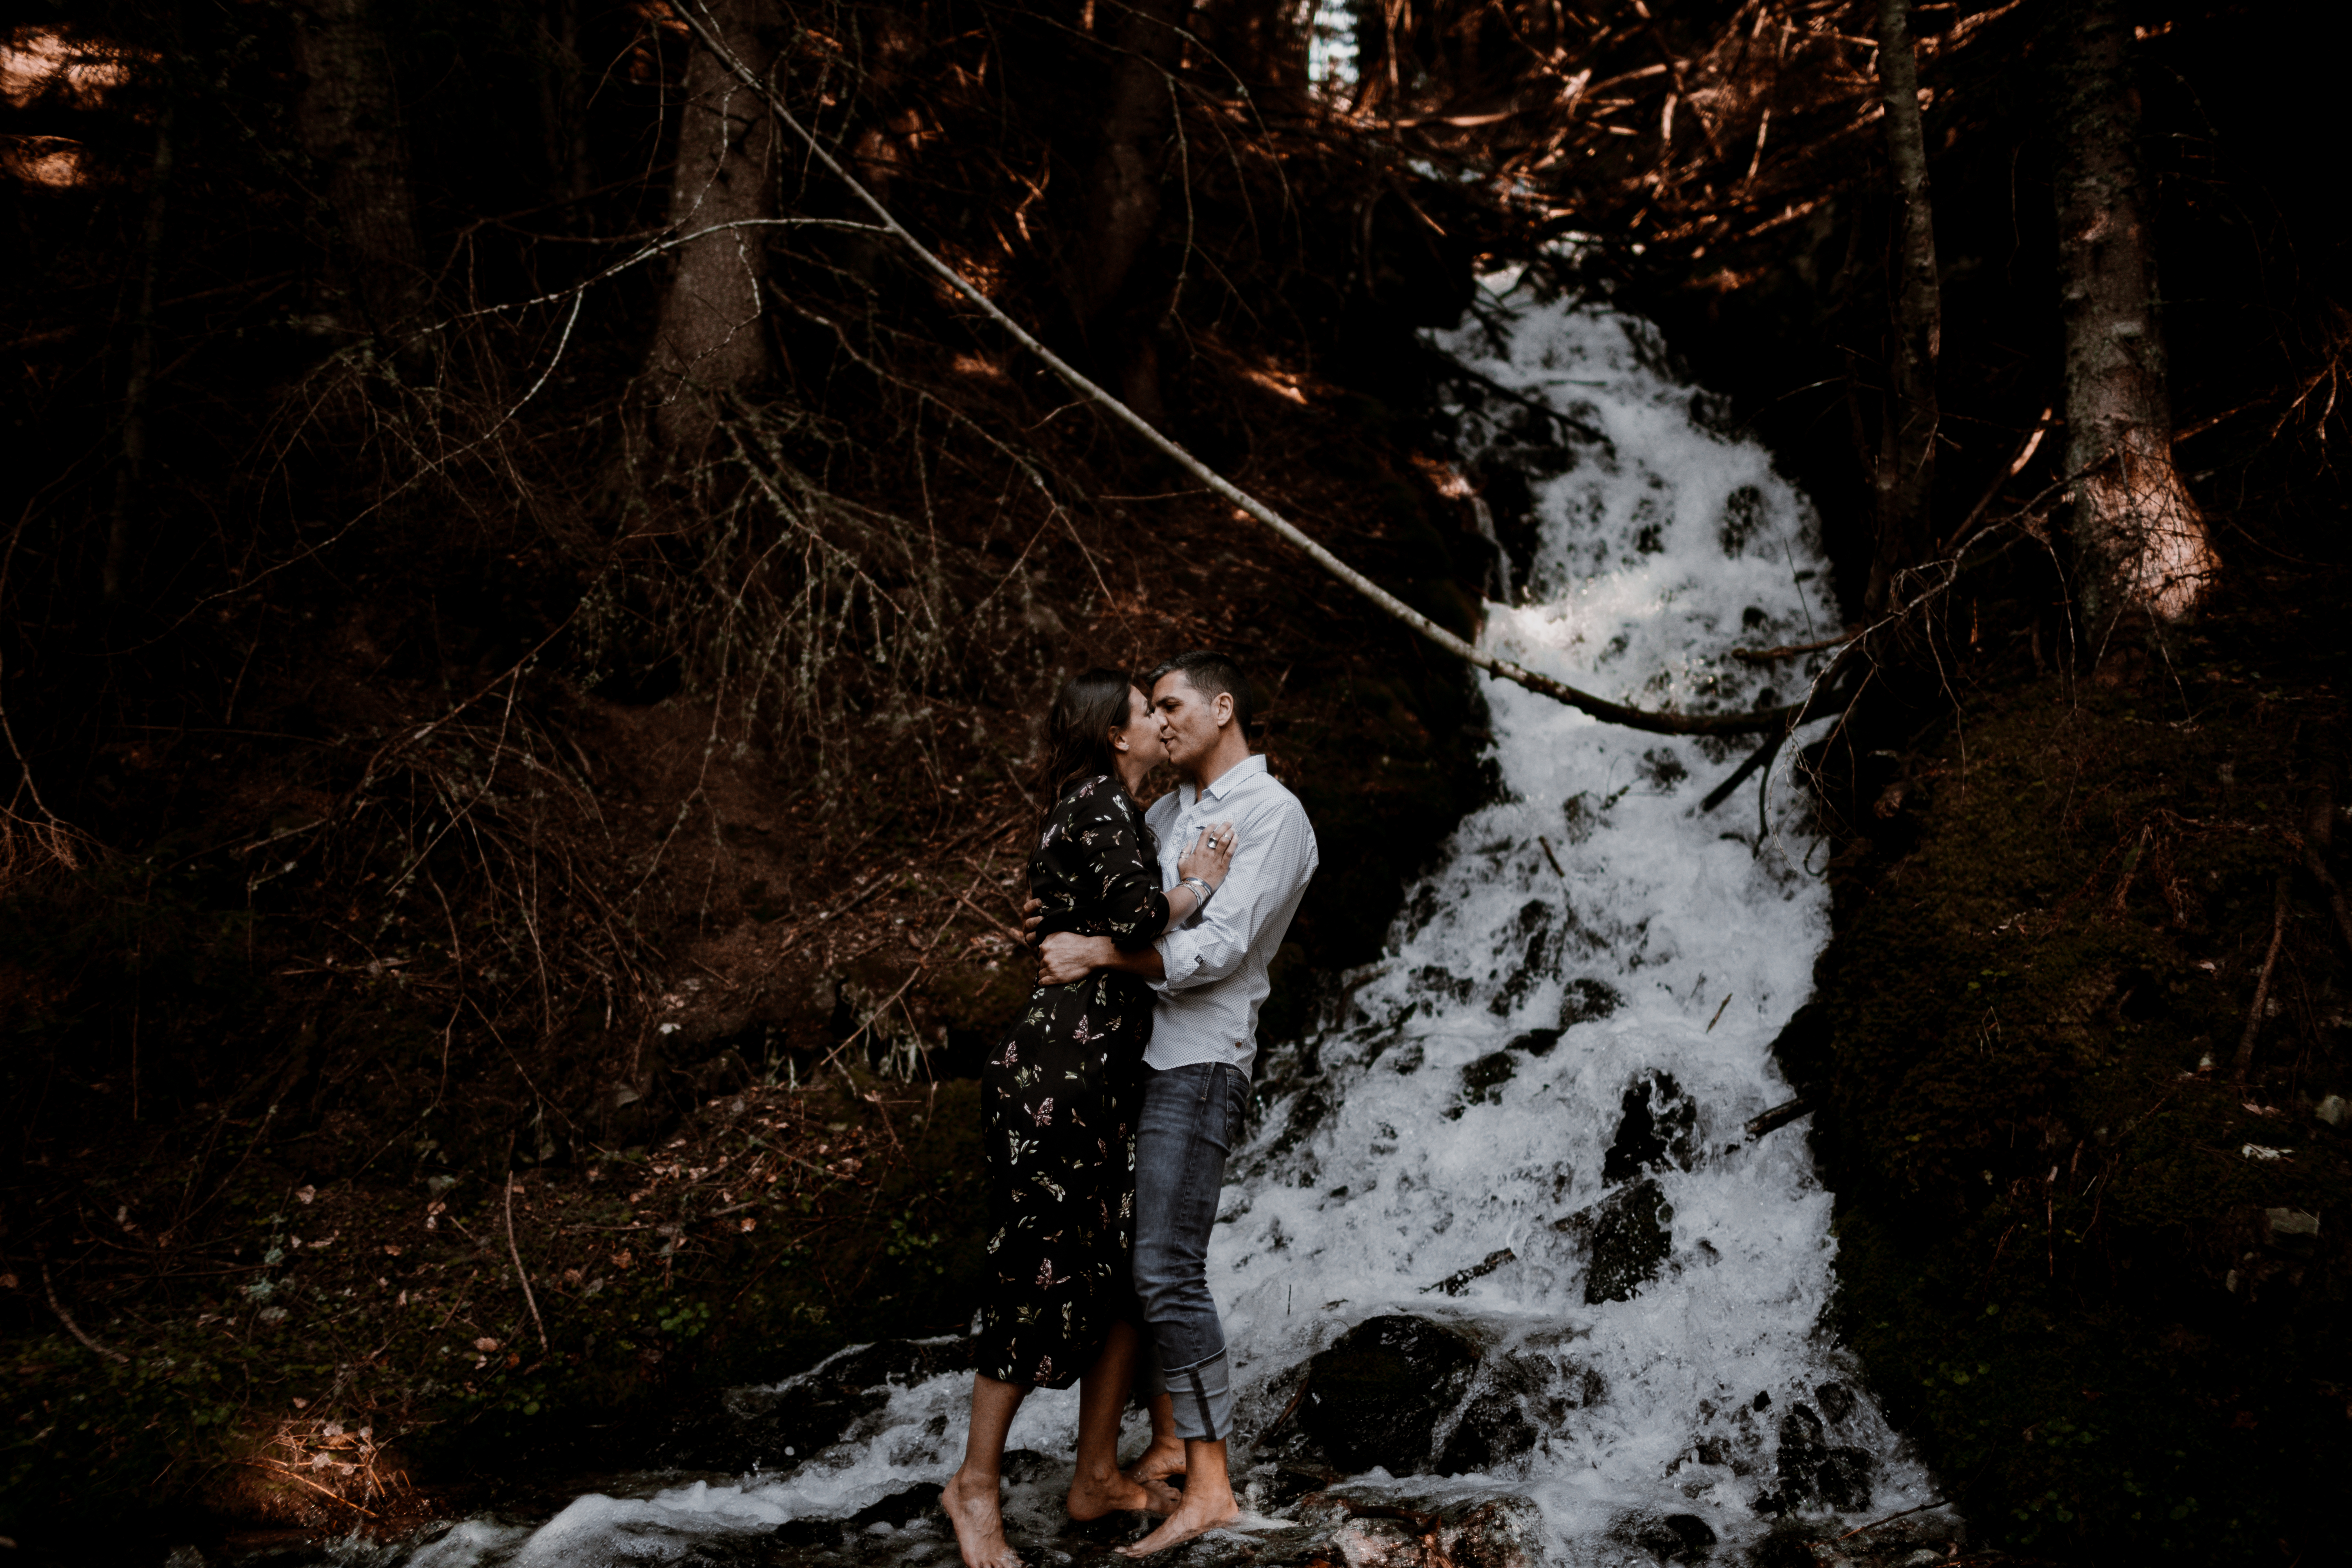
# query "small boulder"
(1378, 1543)
(1812, 1472)
(1626, 1237)
(1482, 1081)
(1669, 1538)
(1377, 1394)
(1588, 999)
(1514, 1400)
(2290, 1230)
(1656, 1126)
(1497, 1532)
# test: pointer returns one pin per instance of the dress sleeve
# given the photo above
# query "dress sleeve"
(1130, 907)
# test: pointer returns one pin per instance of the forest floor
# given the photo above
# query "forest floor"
(296, 1304)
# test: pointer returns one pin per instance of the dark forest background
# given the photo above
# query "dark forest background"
(524, 615)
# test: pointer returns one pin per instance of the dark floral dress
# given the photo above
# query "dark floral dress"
(1059, 1101)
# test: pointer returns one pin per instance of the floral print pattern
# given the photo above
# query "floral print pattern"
(1059, 1103)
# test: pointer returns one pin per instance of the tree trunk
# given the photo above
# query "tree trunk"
(564, 108)
(348, 118)
(1123, 192)
(1906, 470)
(131, 472)
(709, 340)
(2140, 540)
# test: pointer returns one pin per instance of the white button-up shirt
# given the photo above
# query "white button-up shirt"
(1217, 960)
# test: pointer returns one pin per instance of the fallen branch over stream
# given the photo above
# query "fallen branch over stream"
(695, 15)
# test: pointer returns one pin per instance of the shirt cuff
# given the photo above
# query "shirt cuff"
(1180, 956)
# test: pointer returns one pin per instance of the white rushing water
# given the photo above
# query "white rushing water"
(1410, 1137)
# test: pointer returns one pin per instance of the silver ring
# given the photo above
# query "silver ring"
(1213, 841)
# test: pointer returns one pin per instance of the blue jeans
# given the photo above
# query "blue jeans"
(1191, 1117)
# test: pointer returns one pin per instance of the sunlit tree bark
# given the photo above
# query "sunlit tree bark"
(2139, 538)
(348, 118)
(1906, 459)
(710, 339)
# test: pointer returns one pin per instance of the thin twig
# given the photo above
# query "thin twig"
(2263, 985)
(66, 1318)
(1890, 1518)
(293, 1476)
(516, 1253)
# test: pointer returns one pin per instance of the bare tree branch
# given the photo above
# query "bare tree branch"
(695, 15)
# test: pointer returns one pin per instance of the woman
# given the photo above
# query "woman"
(1059, 1101)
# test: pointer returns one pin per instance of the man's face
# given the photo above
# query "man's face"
(1189, 722)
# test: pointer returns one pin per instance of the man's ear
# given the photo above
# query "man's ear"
(1224, 708)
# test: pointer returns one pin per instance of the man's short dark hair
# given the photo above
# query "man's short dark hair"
(1210, 673)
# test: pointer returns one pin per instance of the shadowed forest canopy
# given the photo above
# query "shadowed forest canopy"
(525, 608)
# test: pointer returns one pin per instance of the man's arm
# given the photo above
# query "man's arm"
(1065, 956)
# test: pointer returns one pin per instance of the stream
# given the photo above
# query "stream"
(1507, 1171)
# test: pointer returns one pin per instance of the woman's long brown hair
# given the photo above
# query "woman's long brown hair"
(1077, 732)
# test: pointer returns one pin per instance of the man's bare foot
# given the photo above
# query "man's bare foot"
(1195, 1516)
(972, 1507)
(1093, 1497)
(1163, 1458)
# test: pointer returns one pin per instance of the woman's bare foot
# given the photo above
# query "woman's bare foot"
(1091, 1497)
(1163, 1458)
(1194, 1516)
(972, 1507)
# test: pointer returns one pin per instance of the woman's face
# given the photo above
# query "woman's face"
(1141, 733)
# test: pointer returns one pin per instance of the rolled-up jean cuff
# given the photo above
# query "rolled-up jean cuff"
(1202, 1396)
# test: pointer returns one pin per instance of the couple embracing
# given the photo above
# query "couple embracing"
(1110, 1107)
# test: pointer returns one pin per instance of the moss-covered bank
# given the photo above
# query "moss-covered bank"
(2078, 1257)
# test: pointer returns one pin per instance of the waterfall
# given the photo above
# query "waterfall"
(1526, 1122)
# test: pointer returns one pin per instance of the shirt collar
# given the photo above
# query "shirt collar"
(1249, 767)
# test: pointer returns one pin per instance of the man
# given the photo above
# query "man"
(1211, 976)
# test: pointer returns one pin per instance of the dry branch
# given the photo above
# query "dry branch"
(695, 17)
(2262, 985)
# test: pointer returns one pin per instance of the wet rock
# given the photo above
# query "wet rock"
(1625, 1237)
(1837, 1401)
(1914, 1540)
(1499, 1533)
(1387, 1530)
(1482, 1081)
(1533, 928)
(1535, 1042)
(1662, 770)
(1812, 1472)
(1669, 1538)
(1434, 981)
(2290, 1230)
(2330, 1110)
(902, 1507)
(777, 1428)
(1376, 1396)
(1377, 1543)
(1657, 1126)
(1588, 999)
(1513, 1399)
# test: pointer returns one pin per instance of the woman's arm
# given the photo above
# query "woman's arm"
(1200, 873)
